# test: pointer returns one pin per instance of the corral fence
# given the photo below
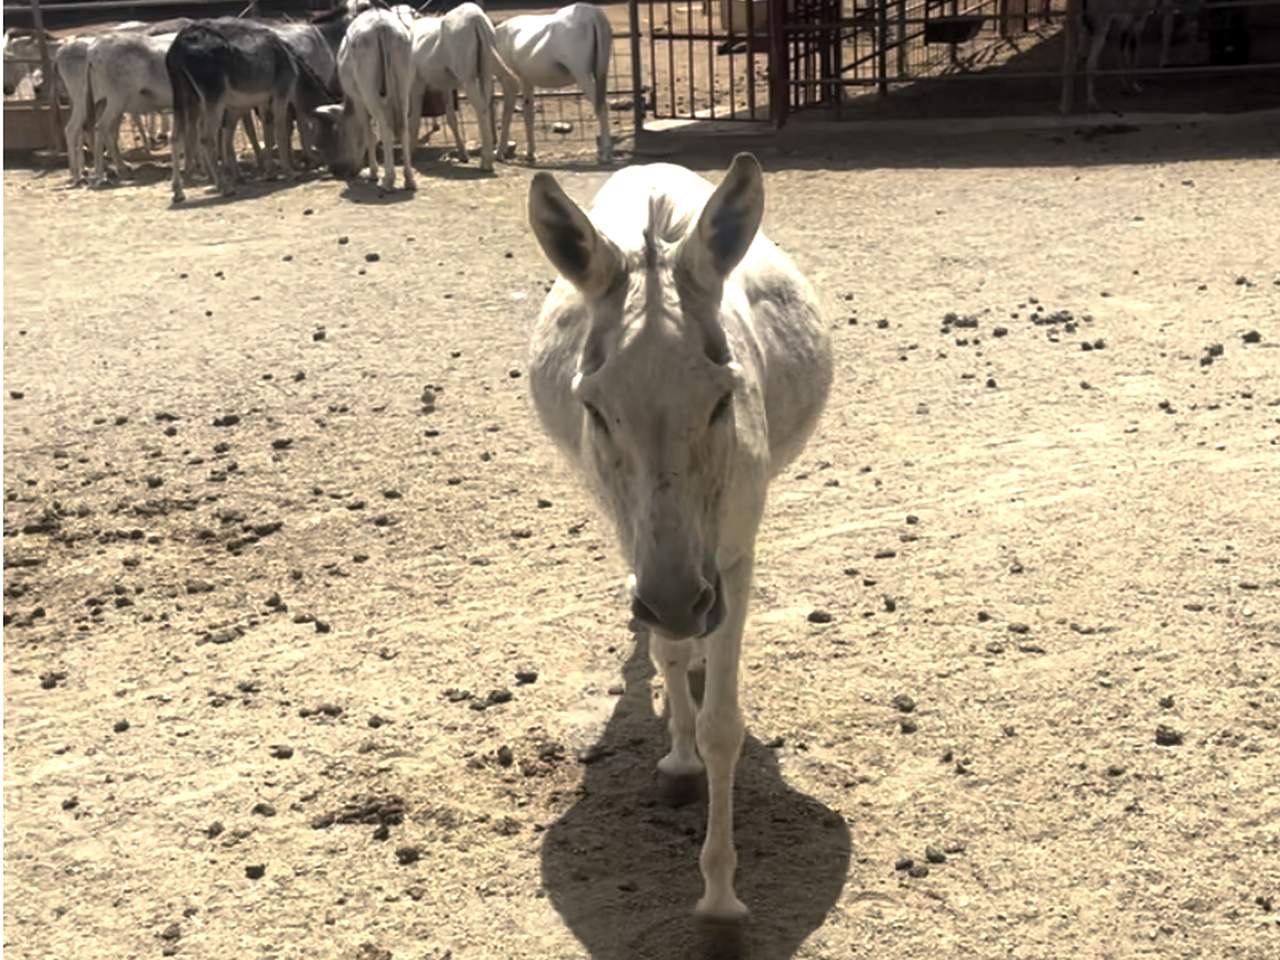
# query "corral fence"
(564, 120)
(770, 59)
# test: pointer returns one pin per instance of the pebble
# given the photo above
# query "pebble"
(505, 756)
(120, 726)
(1019, 628)
(256, 871)
(372, 257)
(1167, 701)
(214, 829)
(904, 863)
(526, 676)
(1167, 736)
(919, 871)
(263, 810)
(408, 855)
(934, 855)
(903, 703)
(819, 616)
(281, 751)
(343, 240)
(907, 725)
(1253, 336)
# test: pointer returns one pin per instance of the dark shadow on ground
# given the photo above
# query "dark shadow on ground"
(1084, 143)
(621, 866)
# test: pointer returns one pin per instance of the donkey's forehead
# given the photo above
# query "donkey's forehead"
(662, 365)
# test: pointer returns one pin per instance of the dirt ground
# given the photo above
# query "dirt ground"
(314, 649)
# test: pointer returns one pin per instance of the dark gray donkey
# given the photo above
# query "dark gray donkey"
(229, 64)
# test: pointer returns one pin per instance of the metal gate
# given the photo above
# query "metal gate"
(769, 59)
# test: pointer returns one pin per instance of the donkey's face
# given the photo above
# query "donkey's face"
(656, 385)
(340, 139)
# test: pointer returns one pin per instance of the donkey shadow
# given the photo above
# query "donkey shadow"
(621, 866)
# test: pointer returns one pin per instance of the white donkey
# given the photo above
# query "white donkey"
(681, 362)
(126, 74)
(571, 46)
(1094, 24)
(451, 52)
(375, 69)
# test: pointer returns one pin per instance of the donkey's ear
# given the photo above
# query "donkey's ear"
(728, 223)
(573, 245)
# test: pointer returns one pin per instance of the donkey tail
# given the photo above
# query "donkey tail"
(601, 49)
(486, 56)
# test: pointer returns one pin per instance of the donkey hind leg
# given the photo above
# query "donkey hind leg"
(1166, 37)
(260, 159)
(681, 768)
(604, 140)
(1129, 53)
(526, 107)
(719, 735)
(1098, 41)
(123, 169)
(178, 153)
(484, 120)
(406, 135)
(451, 118)
(211, 146)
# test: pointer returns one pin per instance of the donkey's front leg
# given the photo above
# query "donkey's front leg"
(672, 658)
(720, 732)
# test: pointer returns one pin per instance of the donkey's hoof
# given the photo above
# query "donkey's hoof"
(722, 939)
(680, 790)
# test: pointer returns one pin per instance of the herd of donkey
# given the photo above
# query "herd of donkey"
(354, 78)
(351, 79)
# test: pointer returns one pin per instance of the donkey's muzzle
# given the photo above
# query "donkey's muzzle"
(679, 615)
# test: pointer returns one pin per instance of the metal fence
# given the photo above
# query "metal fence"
(767, 59)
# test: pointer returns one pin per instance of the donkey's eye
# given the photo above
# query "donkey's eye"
(597, 417)
(721, 409)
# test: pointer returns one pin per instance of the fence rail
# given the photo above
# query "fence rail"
(803, 54)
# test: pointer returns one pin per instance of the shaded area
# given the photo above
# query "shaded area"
(621, 866)
(1006, 79)
(1077, 142)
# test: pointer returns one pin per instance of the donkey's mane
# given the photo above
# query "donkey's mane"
(662, 231)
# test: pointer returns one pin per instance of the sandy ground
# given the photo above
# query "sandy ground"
(348, 675)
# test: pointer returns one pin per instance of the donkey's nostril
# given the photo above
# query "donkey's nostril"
(640, 610)
(706, 600)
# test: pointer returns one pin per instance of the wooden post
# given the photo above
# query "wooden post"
(779, 67)
(902, 39)
(1069, 58)
(882, 46)
(637, 74)
(57, 140)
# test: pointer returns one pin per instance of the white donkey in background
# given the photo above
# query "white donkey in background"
(571, 46)
(681, 362)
